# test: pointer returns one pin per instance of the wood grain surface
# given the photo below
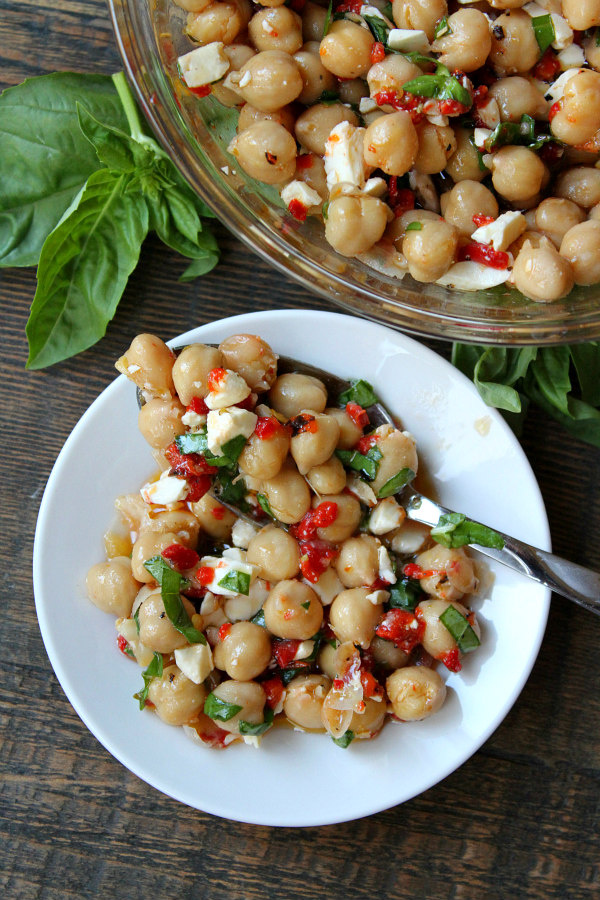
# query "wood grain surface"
(519, 820)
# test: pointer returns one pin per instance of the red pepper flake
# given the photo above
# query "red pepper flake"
(554, 109)
(349, 6)
(366, 442)
(198, 406)
(298, 210)
(400, 199)
(480, 96)
(370, 685)
(305, 161)
(124, 646)
(408, 102)
(182, 557)
(451, 659)
(205, 575)
(479, 219)
(284, 652)
(224, 631)
(403, 628)
(452, 108)
(216, 378)
(198, 486)
(273, 688)
(303, 422)
(547, 67)
(482, 253)
(359, 416)
(187, 464)
(203, 90)
(377, 52)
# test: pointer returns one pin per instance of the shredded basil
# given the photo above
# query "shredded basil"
(328, 97)
(455, 530)
(197, 442)
(367, 464)
(396, 483)
(480, 162)
(215, 708)
(439, 86)
(265, 505)
(387, 10)
(442, 28)
(136, 619)
(460, 629)
(236, 581)
(419, 59)
(306, 605)
(345, 740)
(231, 491)
(543, 28)
(414, 226)
(327, 23)
(522, 133)
(405, 594)
(259, 618)
(379, 29)
(361, 392)
(249, 728)
(170, 583)
(154, 670)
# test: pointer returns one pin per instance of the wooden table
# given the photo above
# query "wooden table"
(518, 820)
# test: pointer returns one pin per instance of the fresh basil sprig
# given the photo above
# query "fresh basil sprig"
(361, 392)
(154, 670)
(170, 583)
(460, 629)
(221, 710)
(455, 530)
(439, 86)
(367, 464)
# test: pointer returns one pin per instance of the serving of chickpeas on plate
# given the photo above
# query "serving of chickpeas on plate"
(306, 597)
(451, 141)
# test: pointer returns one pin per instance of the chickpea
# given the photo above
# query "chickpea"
(245, 652)
(468, 43)
(238, 54)
(327, 478)
(263, 457)
(313, 21)
(160, 422)
(464, 163)
(304, 701)
(177, 699)
(419, 14)
(148, 363)
(578, 118)
(517, 96)
(216, 520)
(580, 184)
(156, 631)
(275, 552)
(252, 358)
(541, 274)
(149, 544)
(581, 246)
(594, 212)
(346, 521)
(250, 115)
(581, 14)
(358, 562)
(415, 692)
(293, 611)
(266, 151)
(278, 28)
(437, 640)
(315, 124)
(353, 90)
(191, 369)
(288, 495)
(535, 239)
(354, 618)
(193, 5)
(436, 145)
(346, 49)
(399, 452)
(387, 654)
(313, 174)
(466, 199)
(555, 216)
(219, 22)
(270, 80)
(391, 143)
(354, 224)
(430, 251)
(313, 447)
(517, 50)
(396, 230)
(592, 51)
(292, 392)
(391, 74)
(247, 694)
(111, 586)
(327, 660)
(350, 433)
(370, 721)
(315, 77)
(517, 173)
(181, 522)
(453, 574)
(272, 2)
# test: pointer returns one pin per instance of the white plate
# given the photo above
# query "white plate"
(477, 467)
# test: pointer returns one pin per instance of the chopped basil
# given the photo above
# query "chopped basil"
(154, 670)
(543, 28)
(480, 162)
(442, 28)
(597, 37)
(405, 594)
(170, 582)
(259, 618)
(379, 29)
(136, 618)
(249, 728)
(290, 673)
(197, 442)
(455, 530)
(232, 449)
(345, 740)
(459, 628)
(265, 505)
(522, 133)
(306, 605)
(439, 86)
(414, 226)
(215, 708)
(361, 392)
(367, 464)
(230, 490)
(387, 10)
(328, 97)
(236, 581)
(327, 22)
(396, 483)
(325, 210)
(129, 651)
(419, 59)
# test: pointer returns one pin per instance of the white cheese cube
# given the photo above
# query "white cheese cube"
(375, 187)
(305, 648)
(302, 193)
(387, 515)
(227, 390)
(361, 490)
(224, 568)
(386, 573)
(222, 425)
(571, 56)
(502, 232)
(235, 553)
(252, 740)
(243, 532)
(367, 105)
(557, 89)
(473, 276)
(410, 538)
(195, 661)
(562, 31)
(193, 419)
(168, 489)
(344, 156)
(204, 65)
(211, 610)
(377, 597)
(408, 39)
(127, 628)
(327, 587)
(480, 136)
(490, 113)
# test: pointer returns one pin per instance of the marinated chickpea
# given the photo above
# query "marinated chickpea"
(293, 392)
(193, 5)
(304, 701)
(160, 422)
(275, 552)
(466, 199)
(278, 28)
(350, 433)
(346, 521)
(517, 173)
(313, 21)
(252, 358)
(517, 51)
(517, 96)
(346, 49)
(180, 522)
(467, 44)
(177, 699)
(238, 55)
(247, 694)
(354, 224)
(245, 652)
(396, 230)
(216, 520)
(250, 115)
(312, 172)
(581, 14)
(391, 74)
(149, 544)
(263, 457)
(288, 495)
(191, 369)
(353, 90)
(327, 478)
(354, 618)
(156, 631)
(540, 273)
(387, 654)
(464, 163)
(327, 660)
(221, 21)
(436, 145)
(437, 640)
(315, 124)
(369, 721)
(578, 118)
(416, 692)
(453, 574)
(419, 14)
(581, 246)
(148, 363)
(399, 452)
(315, 445)
(580, 184)
(270, 80)
(111, 586)
(315, 77)
(267, 151)
(555, 216)
(391, 143)
(358, 563)
(430, 251)
(293, 611)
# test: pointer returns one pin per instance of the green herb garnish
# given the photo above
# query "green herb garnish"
(231, 489)
(441, 28)
(361, 392)
(367, 463)
(345, 740)
(259, 618)
(460, 629)
(405, 594)
(522, 133)
(136, 618)
(414, 226)
(327, 23)
(265, 505)
(249, 728)
(455, 530)
(379, 29)
(170, 583)
(543, 28)
(154, 670)
(396, 483)
(215, 708)
(439, 86)
(236, 581)
(197, 442)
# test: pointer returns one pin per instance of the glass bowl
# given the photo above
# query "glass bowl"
(195, 132)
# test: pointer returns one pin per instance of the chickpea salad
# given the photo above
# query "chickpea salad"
(320, 605)
(457, 142)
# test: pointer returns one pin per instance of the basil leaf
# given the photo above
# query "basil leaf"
(543, 28)
(522, 133)
(367, 464)
(405, 594)
(421, 60)
(197, 442)
(441, 28)
(154, 670)
(439, 87)
(215, 708)
(236, 581)
(455, 530)
(328, 97)
(229, 490)
(379, 29)
(361, 392)
(192, 442)
(460, 629)
(345, 740)
(327, 23)
(396, 483)
(234, 447)
(115, 149)
(170, 582)
(136, 619)
(551, 372)
(586, 359)
(259, 618)
(290, 673)
(174, 222)
(39, 133)
(265, 505)
(414, 226)
(76, 295)
(249, 728)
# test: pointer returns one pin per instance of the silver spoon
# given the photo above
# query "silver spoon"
(570, 580)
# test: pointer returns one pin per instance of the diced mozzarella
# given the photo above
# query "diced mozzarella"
(571, 56)
(222, 425)
(252, 740)
(563, 32)
(204, 64)
(327, 587)
(223, 568)
(557, 89)
(367, 105)
(408, 39)
(410, 538)
(490, 113)
(195, 661)
(387, 515)
(361, 490)
(168, 489)
(211, 610)
(245, 79)
(241, 608)
(534, 10)
(425, 190)
(305, 648)
(502, 232)
(127, 628)
(375, 187)
(377, 597)
(230, 389)
(193, 419)
(300, 191)
(375, 13)
(242, 533)
(480, 136)
(344, 156)
(386, 572)
(473, 276)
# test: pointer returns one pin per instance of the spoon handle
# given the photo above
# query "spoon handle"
(569, 579)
